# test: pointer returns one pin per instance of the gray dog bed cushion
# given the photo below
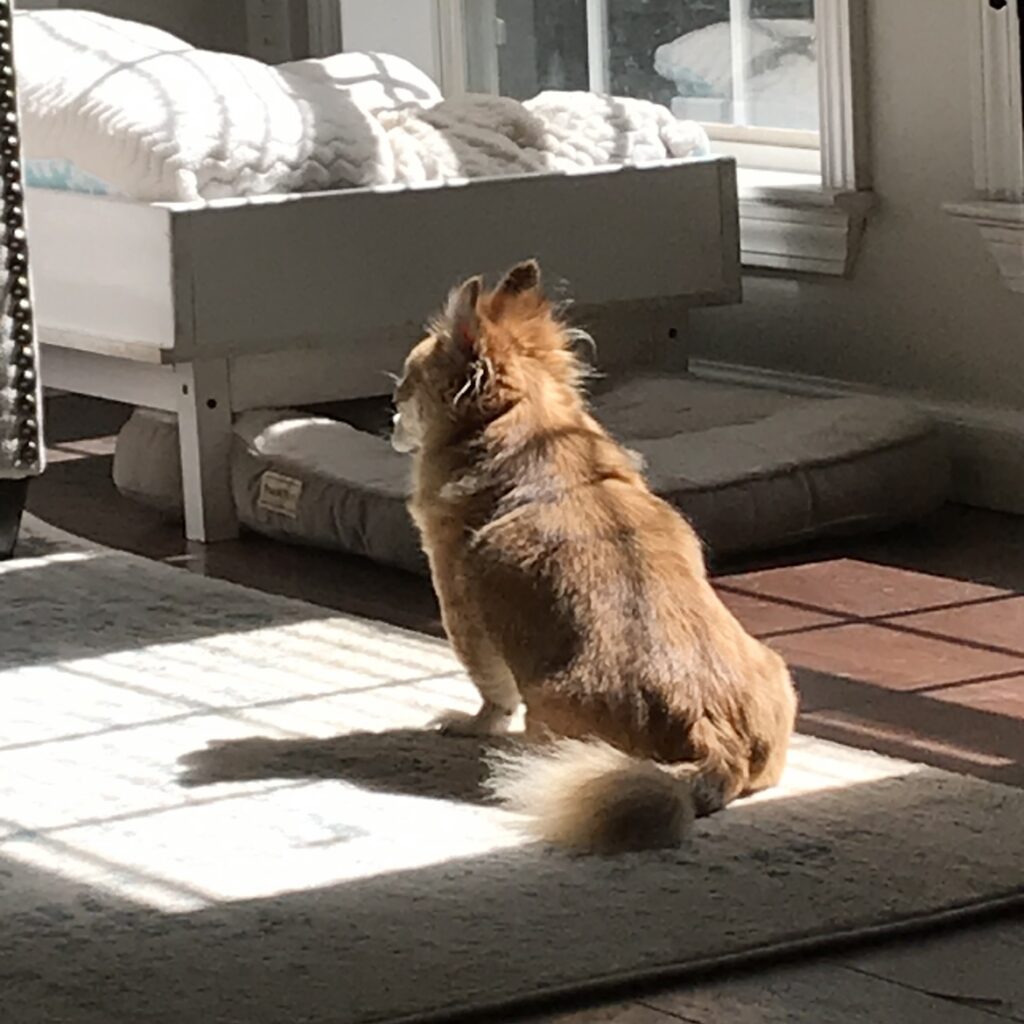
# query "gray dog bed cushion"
(323, 482)
(751, 468)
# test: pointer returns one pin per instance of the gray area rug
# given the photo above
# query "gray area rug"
(221, 806)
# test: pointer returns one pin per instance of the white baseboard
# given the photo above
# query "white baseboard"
(986, 444)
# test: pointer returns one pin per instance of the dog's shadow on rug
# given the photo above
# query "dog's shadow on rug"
(413, 762)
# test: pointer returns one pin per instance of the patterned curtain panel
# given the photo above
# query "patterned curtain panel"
(21, 446)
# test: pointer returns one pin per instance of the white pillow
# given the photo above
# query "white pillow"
(157, 119)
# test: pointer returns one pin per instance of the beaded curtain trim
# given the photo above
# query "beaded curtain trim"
(21, 449)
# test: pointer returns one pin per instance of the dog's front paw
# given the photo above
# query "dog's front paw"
(490, 720)
(457, 723)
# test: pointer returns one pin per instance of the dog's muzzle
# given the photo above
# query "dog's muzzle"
(400, 439)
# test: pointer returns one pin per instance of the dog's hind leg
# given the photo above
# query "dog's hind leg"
(719, 770)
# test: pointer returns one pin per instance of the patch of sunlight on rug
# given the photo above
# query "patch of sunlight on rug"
(91, 748)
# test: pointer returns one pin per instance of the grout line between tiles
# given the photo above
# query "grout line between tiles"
(844, 618)
(995, 677)
(816, 627)
(974, 645)
(854, 701)
(886, 622)
(952, 606)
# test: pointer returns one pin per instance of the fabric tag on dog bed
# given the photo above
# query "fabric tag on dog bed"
(279, 494)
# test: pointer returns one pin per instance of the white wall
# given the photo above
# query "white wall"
(927, 310)
(406, 28)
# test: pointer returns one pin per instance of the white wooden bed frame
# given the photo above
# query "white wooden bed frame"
(209, 309)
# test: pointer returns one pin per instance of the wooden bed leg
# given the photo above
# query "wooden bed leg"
(204, 429)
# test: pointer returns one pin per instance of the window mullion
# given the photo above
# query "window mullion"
(839, 28)
(451, 47)
(598, 47)
(998, 114)
(739, 34)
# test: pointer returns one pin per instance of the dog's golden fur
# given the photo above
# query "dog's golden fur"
(566, 584)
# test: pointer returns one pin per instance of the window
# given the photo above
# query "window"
(777, 83)
(746, 69)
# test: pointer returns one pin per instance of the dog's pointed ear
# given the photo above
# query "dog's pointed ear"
(523, 280)
(462, 317)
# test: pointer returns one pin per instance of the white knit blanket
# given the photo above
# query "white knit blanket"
(156, 119)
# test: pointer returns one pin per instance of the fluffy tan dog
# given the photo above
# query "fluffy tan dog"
(567, 585)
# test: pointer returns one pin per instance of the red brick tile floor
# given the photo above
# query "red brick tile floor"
(910, 643)
(907, 657)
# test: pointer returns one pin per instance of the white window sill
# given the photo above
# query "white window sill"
(1001, 224)
(788, 222)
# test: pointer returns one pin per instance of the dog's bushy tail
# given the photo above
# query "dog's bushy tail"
(589, 797)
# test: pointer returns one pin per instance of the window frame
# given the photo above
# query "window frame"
(998, 104)
(997, 207)
(739, 141)
(842, 132)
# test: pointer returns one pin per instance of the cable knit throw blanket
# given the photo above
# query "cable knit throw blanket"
(130, 109)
